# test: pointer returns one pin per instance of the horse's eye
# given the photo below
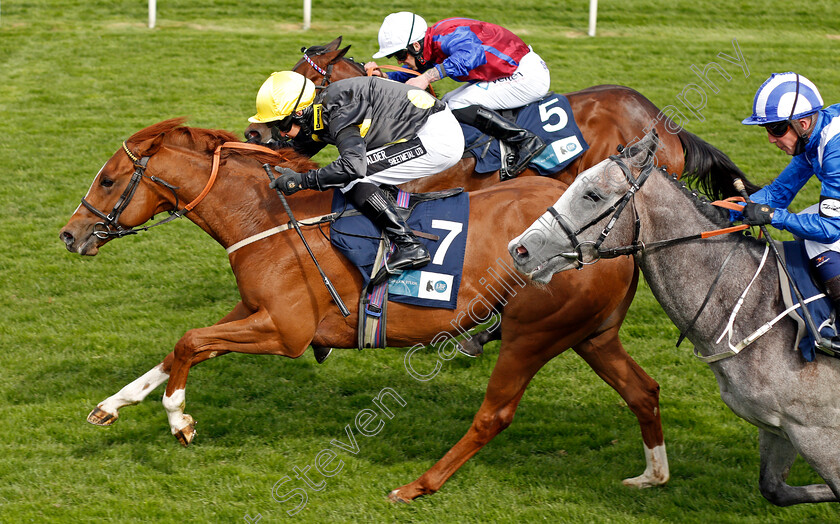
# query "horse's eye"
(592, 196)
(105, 182)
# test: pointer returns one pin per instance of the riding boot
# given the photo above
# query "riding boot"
(408, 252)
(832, 290)
(525, 144)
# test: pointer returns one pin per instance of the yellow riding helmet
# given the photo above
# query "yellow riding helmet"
(281, 95)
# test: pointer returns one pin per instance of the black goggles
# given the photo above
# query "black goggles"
(284, 125)
(777, 129)
(400, 55)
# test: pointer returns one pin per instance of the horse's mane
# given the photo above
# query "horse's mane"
(207, 140)
(718, 215)
(709, 169)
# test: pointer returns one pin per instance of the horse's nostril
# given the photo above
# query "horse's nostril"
(521, 251)
(67, 237)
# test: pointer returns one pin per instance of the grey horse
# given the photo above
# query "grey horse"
(795, 404)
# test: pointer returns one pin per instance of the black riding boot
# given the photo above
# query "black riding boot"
(832, 289)
(408, 253)
(525, 144)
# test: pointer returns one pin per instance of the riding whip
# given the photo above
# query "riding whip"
(809, 321)
(333, 293)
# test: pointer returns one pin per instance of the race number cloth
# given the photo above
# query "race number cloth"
(435, 285)
(551, 118)
(798, 266)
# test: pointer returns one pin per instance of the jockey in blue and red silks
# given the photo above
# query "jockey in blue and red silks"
(501, 72)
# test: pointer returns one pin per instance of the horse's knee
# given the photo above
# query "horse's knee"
(185, 347)
(494, 422)
(773, 490)
(645, 403)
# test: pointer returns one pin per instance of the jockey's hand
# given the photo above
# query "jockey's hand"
(757, 214)
(372, 69)
(420, 82)
(289, 181)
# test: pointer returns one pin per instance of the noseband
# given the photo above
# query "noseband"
(617, 208)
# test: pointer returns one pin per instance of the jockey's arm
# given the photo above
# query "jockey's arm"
(350, 164)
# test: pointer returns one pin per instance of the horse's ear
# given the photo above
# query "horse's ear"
(641, 152)
(341, 53)
(332, 46)
(150, 146)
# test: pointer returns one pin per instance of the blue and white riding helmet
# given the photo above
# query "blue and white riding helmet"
(784, 96)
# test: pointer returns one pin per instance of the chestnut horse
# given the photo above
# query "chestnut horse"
(285, 307)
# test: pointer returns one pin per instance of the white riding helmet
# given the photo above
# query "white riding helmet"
(784, 96)
(398, 31)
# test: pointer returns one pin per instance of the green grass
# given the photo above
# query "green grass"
(77, 77)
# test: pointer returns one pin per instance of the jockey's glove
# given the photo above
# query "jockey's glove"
(288, 181)
(757, 214)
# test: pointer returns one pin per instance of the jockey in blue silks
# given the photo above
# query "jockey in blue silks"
(500, 71)
(789, 107)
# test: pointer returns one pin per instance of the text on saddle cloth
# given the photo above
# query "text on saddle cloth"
(435, 285)
(552, 120)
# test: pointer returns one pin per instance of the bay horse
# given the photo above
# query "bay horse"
(699, 283)
(285, 307)
(607, 115)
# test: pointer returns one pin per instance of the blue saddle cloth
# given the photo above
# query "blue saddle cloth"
(551, 118)
(798, 266)
(435, 285)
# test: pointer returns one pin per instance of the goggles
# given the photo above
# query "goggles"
(400, 55)
(284, 125)
(777, 129)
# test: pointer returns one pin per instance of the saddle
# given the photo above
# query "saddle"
(550, 118)
(440, 220)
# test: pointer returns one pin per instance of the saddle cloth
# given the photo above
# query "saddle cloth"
(821, 310)
(435, 285)
(551, 118)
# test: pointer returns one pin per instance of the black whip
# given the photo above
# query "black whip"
(335, 296)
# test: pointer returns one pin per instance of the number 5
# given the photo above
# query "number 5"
(546, 114)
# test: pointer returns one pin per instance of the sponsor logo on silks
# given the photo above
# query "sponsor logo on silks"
(557, 152)
(317, 112)
(829, 207)
(422, 284)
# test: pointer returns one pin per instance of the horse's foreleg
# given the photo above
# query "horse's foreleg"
(606, 356)
(777, 455)
(107, 411)
(256, 334)
(507, 383)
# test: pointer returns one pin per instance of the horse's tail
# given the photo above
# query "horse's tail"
(710, 169)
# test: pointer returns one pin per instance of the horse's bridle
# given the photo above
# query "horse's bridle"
(326, 73)
(110, 226)
(617, 208)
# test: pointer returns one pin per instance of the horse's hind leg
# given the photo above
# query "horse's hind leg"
(510, 377)
(777, 455)
(606, 356)
(107, 411)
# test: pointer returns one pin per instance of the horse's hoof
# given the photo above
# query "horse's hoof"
(394, 496)
(645, 481)
(470, 348)
(100, 417)
(186, 434)
(321, 353)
